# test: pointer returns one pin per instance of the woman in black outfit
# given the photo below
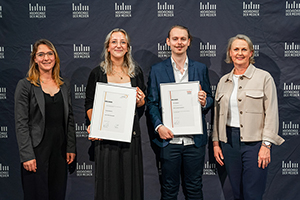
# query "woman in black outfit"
(44, 126)
(119, 167)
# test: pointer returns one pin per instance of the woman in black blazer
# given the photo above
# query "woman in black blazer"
(44, 125)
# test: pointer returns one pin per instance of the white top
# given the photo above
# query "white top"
(233, 118)
(128, 84)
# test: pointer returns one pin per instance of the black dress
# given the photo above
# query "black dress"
(118, 165)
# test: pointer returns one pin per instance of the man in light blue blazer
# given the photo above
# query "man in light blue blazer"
(180, 156)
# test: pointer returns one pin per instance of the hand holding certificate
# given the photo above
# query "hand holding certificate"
(113, 112)
(181, 110)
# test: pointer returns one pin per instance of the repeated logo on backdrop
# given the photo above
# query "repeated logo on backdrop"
(208, 10)
(291, 49)
(165, 9)
(289, 128)
(250, 9)
(80, 11)
(1, 52)
(122, 10)
(81, 51)
(37, 11)
(2, 93)
(79, 91)
(0, 11)
(80, 130)
(289, 168)
(3, 132)
(208, 50)
(4, 171)
(292, 9)
(291, 90)
(210, 169)
(163, 50)
(84, 169)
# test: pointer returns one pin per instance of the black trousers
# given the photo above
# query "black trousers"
(49, 181)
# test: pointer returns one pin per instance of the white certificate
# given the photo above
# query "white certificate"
(181, 110)
(113, 112)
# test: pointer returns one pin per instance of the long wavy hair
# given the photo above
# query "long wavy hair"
(33, 74)
(240, 37)
(128, 63)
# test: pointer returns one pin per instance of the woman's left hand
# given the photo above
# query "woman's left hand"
(264, 157)
(202, 97)
(140, 97)
(70, 157)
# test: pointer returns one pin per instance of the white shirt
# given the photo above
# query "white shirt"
(233, 118)
(181, 78)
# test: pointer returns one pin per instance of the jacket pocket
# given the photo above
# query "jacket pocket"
(254, 101)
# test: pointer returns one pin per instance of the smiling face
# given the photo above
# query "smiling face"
(240, 53)
(117, 45)
(178, 41)
(44, 58)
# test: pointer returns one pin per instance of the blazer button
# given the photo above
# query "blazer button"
(239, 100)
(241, 78)
(242, 126)
(241, 137)
(241, 112)
(240, 87)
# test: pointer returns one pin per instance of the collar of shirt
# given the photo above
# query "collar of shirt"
(177, 74)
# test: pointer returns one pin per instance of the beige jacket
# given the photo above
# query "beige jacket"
(257, 104)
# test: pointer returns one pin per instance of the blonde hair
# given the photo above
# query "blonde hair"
(128, 63)
(33, 74)
(240, 37)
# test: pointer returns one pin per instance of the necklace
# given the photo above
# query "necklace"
(118, 73)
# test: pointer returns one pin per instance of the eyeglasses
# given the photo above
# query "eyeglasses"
(42, 55)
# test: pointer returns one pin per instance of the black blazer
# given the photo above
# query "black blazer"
(30, 118)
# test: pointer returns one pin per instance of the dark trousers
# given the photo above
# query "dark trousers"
(248, 181)
(49, 181)
(182, 161)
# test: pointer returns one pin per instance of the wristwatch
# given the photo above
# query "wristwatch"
(267, 143)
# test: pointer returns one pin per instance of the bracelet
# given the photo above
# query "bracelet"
(266, 146)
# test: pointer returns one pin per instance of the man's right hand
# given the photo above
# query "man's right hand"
(165, 133)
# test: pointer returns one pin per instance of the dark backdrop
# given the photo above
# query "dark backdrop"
(78, 29)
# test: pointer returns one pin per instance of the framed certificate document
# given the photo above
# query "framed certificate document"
(181, 110)
(113, 112)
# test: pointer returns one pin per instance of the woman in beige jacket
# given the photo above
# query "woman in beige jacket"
(246, 121)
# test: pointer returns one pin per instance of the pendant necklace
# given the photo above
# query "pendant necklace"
(118, 73)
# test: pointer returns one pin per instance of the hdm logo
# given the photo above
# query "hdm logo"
(289, 168)
(3, 132)
(251, 9)
(81, 130)
(4, 171)
(256, 50)
(291, 50)
(79, 91)
(291, 90)
(2, 93)
(163, 50)
(165, 10)
(84, 170)
(208, 50)
(122, 10)
(292, 9)
(1, 52)
(81, 51)
(0, 11)
(80, 11)
(290, 128)
(210, 169)
(37, 11)
(208, 10)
